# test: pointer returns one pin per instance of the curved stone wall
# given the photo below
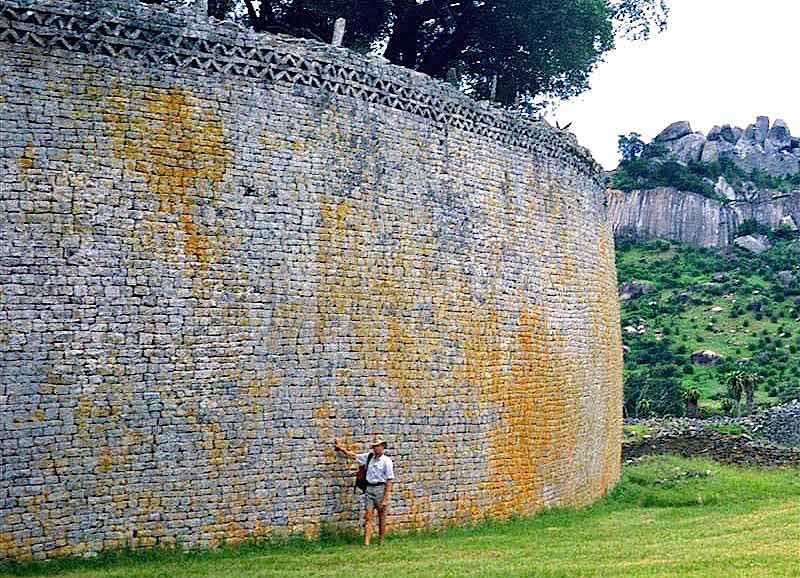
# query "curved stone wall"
(219, 251)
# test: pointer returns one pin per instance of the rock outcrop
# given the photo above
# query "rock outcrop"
(707, 357)
(634, 289)
(714, 220)
(771, 149)
(753, 243)
(671, 214)
(668, 213)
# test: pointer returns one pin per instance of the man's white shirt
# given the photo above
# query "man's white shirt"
(380, 470)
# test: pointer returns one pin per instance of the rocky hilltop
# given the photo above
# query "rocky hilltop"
(700, 188)
(760, 146)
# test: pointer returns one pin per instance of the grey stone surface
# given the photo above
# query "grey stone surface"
(779, 424)
(730, 134)
(707, 222)
(770, 437)
(671, 214)
(710, 152)
(715, 133)
(688, 148)
(674, 131)
(759, 147)
(706, 357)
(779, 137)
(789, 222)
(633, 289)
(724, 189)
(762, 124)
(692, 438)
(753, 243)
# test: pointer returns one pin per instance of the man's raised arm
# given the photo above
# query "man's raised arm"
(340, 448)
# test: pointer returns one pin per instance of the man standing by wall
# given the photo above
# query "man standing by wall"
(380, 476)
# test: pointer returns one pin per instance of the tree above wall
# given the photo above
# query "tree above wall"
(513, 51)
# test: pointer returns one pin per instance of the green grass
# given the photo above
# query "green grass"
(668, 517)
(635, 431)
(730, 429)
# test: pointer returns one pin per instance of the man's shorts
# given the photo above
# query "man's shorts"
(373, 496)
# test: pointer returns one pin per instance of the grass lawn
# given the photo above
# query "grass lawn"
(668, 517)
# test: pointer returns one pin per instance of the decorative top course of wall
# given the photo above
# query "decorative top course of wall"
(158, 37)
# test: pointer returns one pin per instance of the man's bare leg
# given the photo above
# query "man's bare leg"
(367, 526)
(381, 523)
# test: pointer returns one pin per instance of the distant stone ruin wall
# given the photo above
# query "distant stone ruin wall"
(668, 213)
(219, 251)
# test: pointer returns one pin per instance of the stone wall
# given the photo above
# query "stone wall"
(708, 444)
(219, 251)
(779, 424)
(765, 440)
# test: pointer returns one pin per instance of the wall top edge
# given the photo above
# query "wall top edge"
(180, 36)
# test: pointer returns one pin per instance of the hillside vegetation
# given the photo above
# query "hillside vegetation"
(667, 517)
(736, 304)
(695, 177)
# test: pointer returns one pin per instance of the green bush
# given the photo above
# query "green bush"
(752, 227)
(654, 168)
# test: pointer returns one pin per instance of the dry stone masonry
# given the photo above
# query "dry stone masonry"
(770, 437)
(220, 250)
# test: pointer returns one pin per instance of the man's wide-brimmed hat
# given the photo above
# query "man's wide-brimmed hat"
(379, 441)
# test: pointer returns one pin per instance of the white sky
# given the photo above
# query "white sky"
(720, 61)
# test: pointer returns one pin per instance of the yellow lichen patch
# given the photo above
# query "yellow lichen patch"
(104, 462)
(534, 432)
(8, 545)
(371, 290)
(178, 147)
(28, 159)
(418, 513)
(262, 385)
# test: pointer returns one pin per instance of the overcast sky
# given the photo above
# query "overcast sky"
(720, 61)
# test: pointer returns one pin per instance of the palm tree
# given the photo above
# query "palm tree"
(728, 406)
(692, 395)
(736, 386)
(750, 382)
(643, 408)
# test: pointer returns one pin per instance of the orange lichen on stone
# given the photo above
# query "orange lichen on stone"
(389, 339)
(28, 159)
(104, 462)
(607, 341)
(179, 148)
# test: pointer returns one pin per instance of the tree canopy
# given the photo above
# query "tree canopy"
(509, 50)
